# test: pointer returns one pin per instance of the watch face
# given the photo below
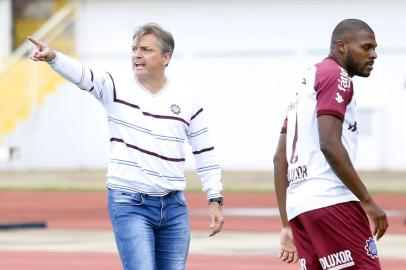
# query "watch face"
(219, 200)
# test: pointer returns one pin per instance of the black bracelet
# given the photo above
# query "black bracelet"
(218, 200)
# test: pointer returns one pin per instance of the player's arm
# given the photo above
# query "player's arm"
(288, 251)
(99, 85)
(330, 130)
(42, 52)
(207, 166)
(281, 178)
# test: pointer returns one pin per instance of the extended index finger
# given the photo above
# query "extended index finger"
(35, 42)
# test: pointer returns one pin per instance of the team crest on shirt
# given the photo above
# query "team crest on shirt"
(175, 109)
(370, 247)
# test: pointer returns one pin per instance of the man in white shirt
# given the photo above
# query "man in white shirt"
(322, 201)
(149, 120)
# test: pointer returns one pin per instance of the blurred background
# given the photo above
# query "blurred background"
(244, 58)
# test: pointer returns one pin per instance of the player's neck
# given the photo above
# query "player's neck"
(153, 84)
(340, 61)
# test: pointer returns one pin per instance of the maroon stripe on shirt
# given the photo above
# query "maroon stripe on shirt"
(284, 128)
(138, 107)
(91, 73)
(165, 117)
(199, 111)
(126, 103)
(119, 100)
(146, 151)
(203, 150)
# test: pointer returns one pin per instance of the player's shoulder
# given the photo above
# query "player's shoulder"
(329, 67)
(122, 80)
(121, 74)
(329, 70)
(183, 90)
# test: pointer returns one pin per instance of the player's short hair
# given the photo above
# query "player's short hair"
(167, 43)
(349, 26)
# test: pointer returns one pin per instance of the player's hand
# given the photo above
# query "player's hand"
(216, 218)
(288, 251)
(378, 217)
(41, 52)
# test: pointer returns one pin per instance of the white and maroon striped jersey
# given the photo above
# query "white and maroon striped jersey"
(326, 89)
(148, 132)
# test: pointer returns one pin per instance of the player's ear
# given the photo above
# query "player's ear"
(167, 57)
(341, 47)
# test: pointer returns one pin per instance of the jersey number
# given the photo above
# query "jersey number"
(294, 156)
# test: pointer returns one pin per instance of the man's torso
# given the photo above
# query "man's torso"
(326, 88)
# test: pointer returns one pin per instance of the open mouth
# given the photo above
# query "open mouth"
(139, 65)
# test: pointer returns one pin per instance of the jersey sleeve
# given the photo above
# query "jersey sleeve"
(284, 128)
(99, 84)
(333, 91)
(207, 166)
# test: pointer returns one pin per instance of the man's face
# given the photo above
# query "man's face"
(361, 54)
(148, 61)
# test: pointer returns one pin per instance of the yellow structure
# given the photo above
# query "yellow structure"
(25, 84)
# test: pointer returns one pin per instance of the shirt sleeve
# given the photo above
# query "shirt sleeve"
(207, 166)
(333, 91)
(284, 128)
(99, 84)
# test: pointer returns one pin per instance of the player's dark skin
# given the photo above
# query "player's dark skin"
(355, 52)
(288, 252)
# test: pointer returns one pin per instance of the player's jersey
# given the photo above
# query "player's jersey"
(326, 88)
(148, 132)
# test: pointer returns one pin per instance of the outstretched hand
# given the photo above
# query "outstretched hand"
(288, 251)
(41, 52)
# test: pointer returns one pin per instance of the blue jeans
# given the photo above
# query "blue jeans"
(152, 233)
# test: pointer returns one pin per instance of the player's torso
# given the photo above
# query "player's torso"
(166, 113)
(312, 183)
(148, 132)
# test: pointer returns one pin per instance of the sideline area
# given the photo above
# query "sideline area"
(242, 181)
(78, 234)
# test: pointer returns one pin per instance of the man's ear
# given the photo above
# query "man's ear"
(167, 57)
(341, 47)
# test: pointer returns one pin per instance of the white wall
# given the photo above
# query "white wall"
(5, 29)
(244, 56)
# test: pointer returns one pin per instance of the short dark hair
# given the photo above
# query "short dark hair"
(349, 26)
(166, 41)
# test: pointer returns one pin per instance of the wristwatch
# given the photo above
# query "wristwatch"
(218, 200)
